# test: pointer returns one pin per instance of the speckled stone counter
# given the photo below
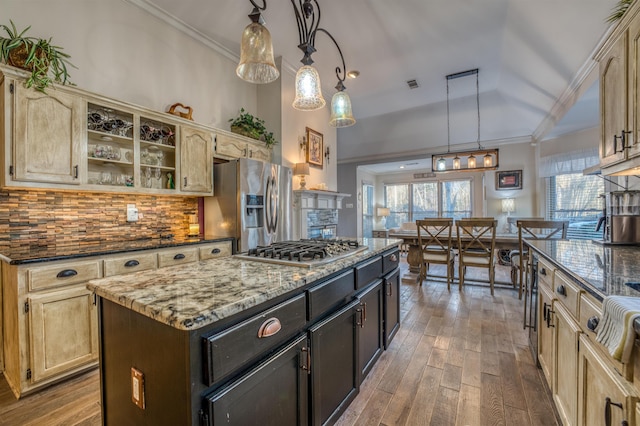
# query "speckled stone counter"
(191, 296)
(18, 254)
(602, 270)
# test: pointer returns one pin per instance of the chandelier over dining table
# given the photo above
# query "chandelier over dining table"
(257, 63)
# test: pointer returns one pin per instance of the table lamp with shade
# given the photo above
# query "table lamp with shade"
(383, 212)
(302, 170)
(508, 205)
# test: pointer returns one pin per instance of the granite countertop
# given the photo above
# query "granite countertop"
(602, 270)
(17, 253)
(191, 296)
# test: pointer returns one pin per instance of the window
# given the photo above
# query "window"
(576, 198)
(367, 210)
(410, 202)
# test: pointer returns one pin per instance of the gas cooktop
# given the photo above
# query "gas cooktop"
(304, 253)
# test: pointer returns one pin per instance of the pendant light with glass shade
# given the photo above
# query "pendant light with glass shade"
(256, 51)
(451, 161)
(256, 59)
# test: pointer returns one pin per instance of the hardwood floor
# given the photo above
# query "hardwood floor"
(459, 358)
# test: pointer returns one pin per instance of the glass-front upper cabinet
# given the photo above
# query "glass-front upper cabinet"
(110, 147)
(157, 154)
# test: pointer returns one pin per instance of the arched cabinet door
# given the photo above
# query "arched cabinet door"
(196, 160)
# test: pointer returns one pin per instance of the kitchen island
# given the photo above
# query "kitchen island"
(236, 340)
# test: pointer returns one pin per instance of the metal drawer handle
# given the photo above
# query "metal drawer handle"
(178, 256)
(549, 312)
(269, 328)
(393, 258)
(561, 291)
(131, 263)
(592, 323)
(607, 410)
(543, 271)
(215, 251)
(390, 292)
(67, 273)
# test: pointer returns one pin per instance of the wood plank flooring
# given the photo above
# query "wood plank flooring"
(458, 359)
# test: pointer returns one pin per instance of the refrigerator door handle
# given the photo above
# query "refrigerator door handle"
(271, 207)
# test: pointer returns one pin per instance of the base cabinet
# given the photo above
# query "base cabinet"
(545, 334)
(370, 342)
(603, 397)
(566, 338)
(391, 306)
(264, 396)
(334, 364)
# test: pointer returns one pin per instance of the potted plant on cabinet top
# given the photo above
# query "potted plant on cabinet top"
(36, 55)
(252, 127)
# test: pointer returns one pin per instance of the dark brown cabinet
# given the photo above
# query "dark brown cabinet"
(391, 306)
(334, 371)
(369, 320)
(275, 393)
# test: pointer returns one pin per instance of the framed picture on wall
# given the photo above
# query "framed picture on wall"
(315, 149)
(511, 179)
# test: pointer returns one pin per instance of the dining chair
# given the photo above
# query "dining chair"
(476, 243)
(533, 230)
(434, 239)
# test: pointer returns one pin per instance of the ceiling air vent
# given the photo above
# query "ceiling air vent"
(413, 84)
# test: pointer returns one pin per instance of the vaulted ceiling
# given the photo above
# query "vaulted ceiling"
(530, 54)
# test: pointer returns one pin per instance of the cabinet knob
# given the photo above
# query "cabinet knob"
(67, 273)
(561, 291)
(592, 323)
(131, 263)
(178, 256)
(269, 328)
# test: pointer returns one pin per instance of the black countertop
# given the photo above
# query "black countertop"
(18, 253)
(601, 270)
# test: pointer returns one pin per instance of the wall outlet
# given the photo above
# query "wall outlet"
(132, 213)
(137, 387)
(349, 205)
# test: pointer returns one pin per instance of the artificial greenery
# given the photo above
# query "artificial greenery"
(619, 10)
(253, 127)
(36, 55)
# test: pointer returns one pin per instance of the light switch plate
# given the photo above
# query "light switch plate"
(132, 213)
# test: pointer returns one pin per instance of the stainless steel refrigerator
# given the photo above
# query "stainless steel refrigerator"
(252, 202)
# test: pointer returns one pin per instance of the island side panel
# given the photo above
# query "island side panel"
(160, 352)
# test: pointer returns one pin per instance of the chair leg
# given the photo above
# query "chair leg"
(421, 274)
(492, 273)
(520, 283)
(461, 277)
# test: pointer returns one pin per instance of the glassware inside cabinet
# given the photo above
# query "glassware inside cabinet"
(110, 148)
(157, 154)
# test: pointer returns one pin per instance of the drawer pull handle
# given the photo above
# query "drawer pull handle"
(67, 273)
(607, 410)
(561, 291)
(393, 258)
(543, 271)
(131, 263)
(215, 251)
(592, 323)
(178, 256)
(269, 328)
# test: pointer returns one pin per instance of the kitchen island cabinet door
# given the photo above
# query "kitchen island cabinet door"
(275, 393)
(63, 331)
(604, 397)
(196, 160)
(566, 341)
(370, 341)
(47, 135)
(334, 367)
(391, 306)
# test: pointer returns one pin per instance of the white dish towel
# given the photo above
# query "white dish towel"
(615, 330)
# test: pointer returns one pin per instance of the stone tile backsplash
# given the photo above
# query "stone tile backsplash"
(48, 218)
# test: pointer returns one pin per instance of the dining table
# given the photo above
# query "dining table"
(505, 242)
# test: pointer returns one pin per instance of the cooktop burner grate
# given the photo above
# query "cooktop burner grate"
(306, 252)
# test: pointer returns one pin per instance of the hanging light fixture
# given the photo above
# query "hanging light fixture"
(256, 51)
(308, 92)
(440, 162)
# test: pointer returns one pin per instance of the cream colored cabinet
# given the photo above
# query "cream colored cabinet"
(604, 398)
(230, 145)
(196, 160)
(63, 331)
(565, 383)
(261, 153)
(619, 64)
(545, 334)
(47, 135)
